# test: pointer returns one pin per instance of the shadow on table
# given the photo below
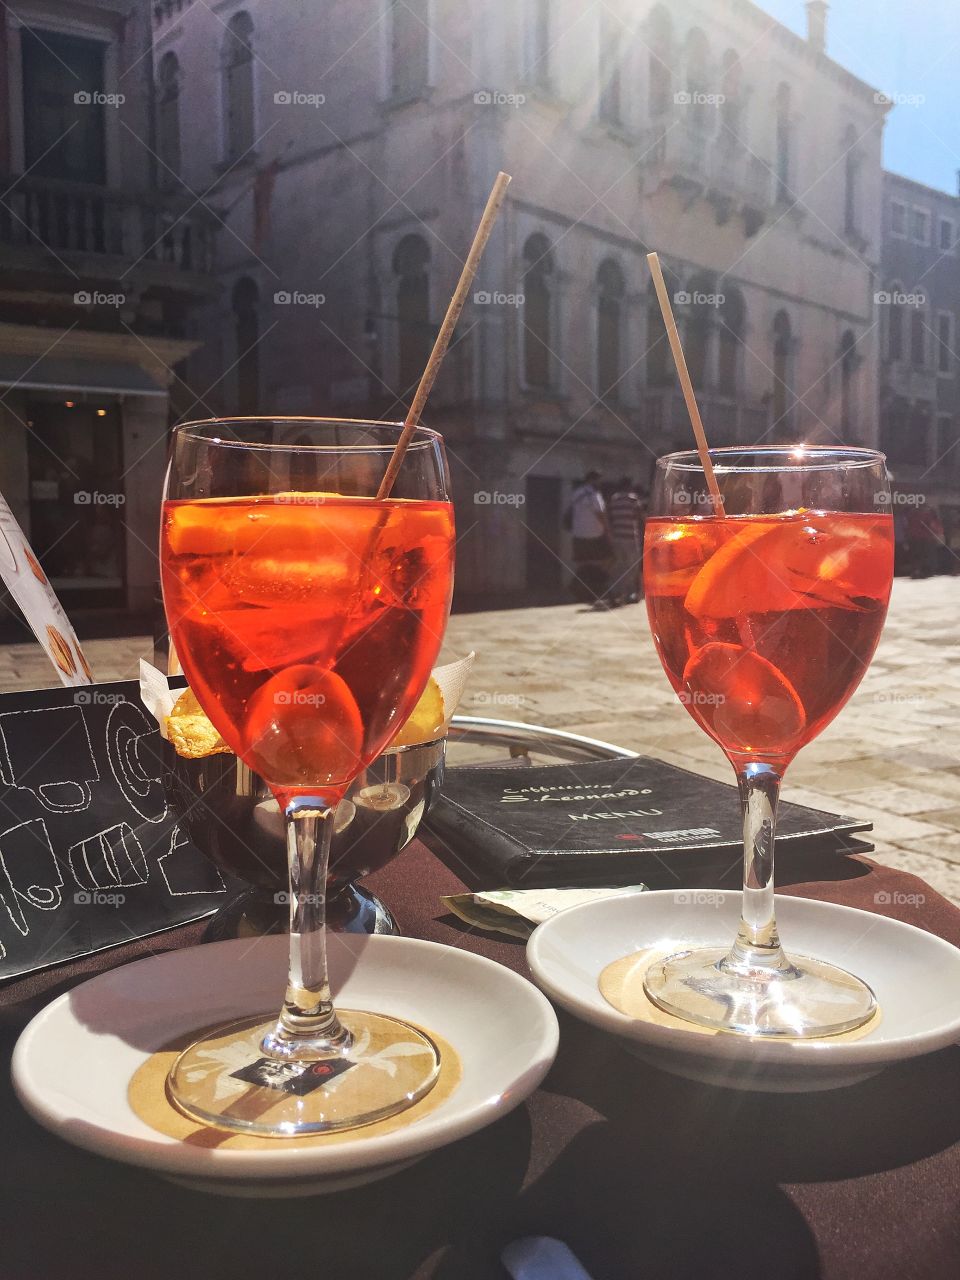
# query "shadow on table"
(629, 1219)
(898, 1117)
(64, 1213)
(685, 1182)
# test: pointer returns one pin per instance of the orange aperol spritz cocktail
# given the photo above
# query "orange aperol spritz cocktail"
(307, 623)
(765, 624)
(307, 611)
(766, 608)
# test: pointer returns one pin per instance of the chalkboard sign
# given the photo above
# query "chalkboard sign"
(90, 853)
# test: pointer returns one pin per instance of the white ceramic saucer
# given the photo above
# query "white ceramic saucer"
(915, 975)
(74, 1062)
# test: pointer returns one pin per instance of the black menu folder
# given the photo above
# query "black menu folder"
(607, 822)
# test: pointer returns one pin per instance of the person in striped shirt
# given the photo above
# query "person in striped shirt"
(625, 514)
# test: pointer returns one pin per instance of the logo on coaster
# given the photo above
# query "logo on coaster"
(298, 1078)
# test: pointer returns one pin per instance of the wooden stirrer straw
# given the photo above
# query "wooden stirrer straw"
(686, 385)
(429, 377)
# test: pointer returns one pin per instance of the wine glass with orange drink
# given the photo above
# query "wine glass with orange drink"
(766, 591)
(307, 613)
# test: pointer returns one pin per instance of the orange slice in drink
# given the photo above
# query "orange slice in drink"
(742, 578)
(748, 703)
(304, 728)
(797, 563)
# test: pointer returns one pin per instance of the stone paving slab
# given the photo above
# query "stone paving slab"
(892, 755)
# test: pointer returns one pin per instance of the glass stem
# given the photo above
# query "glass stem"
(758, 943)
(308, 1025)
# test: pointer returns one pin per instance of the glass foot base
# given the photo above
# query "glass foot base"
(225, 1079)
(799, 997)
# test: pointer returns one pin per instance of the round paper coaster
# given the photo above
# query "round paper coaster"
(147, 1095)
(621, 985)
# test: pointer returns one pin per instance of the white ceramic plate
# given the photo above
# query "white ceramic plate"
(915, 975)
(504, 1030)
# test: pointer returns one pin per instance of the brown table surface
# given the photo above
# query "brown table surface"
(642, 1174)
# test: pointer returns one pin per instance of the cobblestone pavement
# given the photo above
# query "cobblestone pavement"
(892, 755)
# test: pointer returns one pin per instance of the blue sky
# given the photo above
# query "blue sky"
(909, 47)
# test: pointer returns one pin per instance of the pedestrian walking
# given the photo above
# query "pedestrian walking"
(592, 542)
(625, 511)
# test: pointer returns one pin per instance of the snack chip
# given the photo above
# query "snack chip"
(190, 731)
(427, 718)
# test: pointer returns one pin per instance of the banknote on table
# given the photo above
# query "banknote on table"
(517, 912)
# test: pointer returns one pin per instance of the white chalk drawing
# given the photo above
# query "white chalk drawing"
(179, 872)
(29, 871)
(47, 750)
(111, 859)
(127, 725)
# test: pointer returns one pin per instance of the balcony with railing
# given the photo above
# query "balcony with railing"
(96, 229)
(693, 158)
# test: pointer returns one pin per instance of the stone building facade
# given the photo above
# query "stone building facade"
(349, 154)
(101, 266)
(919, 305)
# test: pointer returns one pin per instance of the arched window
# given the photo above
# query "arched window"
(783, 143)
(537, 308)
(731, 99)
(610, 98)
(411, 266)
(732, 322)
(658, 367)
(168, 117)
(894, 322)
(246, 312)
(410, 47)
(659, 82)
(237, 70)
(851, 165)
(782, 350)
(848, 364)
(698, 327)
(610, 291)
(918, 337)
(696, 57)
